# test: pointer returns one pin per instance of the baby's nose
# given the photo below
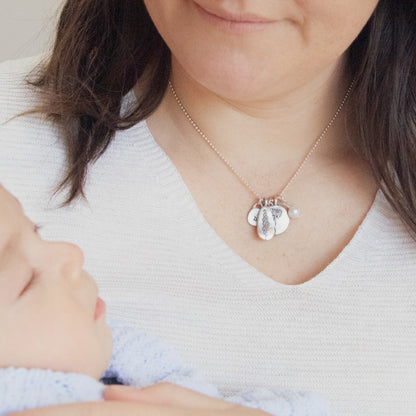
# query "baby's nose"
(69, 259)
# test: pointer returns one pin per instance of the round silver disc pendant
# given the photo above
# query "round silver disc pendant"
(252, 216)
(281, 219)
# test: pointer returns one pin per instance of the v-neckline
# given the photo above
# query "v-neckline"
(223, 252)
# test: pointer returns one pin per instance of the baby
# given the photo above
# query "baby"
(55, 344)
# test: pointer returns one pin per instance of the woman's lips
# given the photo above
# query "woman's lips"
(241, 23)
(99, 309)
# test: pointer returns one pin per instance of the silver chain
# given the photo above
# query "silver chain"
(231, 167)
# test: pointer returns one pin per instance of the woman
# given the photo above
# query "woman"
(262, 217)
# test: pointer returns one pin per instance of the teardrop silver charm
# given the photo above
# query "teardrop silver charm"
(281, 219)
(252, 216)
(265, 224)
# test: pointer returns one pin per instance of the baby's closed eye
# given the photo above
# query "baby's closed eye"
(29, 284)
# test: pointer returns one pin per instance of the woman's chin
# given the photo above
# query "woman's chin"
(236, 83)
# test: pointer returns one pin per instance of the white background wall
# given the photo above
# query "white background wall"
(26, 26)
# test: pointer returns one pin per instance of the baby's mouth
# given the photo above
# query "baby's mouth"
(99, 308)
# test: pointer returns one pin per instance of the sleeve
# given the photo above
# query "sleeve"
(24, 389)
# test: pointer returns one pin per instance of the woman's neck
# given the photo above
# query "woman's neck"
(265, 133)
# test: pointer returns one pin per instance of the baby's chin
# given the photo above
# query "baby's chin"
(106, 351)
(96, 359)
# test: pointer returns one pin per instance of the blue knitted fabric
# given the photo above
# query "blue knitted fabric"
(22, 389)
(138, 360)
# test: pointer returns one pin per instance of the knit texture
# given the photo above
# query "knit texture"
(23, 389)
(348, 334)
(138, 360)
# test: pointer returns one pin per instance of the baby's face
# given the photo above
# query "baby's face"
(49, 314)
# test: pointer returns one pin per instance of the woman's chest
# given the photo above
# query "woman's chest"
(331, 208)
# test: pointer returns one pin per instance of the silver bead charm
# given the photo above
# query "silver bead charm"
(294, 212)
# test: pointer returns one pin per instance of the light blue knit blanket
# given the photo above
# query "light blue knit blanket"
(139, 360)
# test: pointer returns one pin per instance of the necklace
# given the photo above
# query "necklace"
(271, 215)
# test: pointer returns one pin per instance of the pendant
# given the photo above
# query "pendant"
(271, 217)
(265, 224)
(281, 219)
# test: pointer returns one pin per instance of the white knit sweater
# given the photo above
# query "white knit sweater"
(348, 334)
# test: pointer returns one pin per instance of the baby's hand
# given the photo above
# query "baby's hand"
(174, 397)
(162, 399)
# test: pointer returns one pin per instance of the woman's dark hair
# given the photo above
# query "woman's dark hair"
(105, 47)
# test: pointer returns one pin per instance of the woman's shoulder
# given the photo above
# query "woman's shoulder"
(16, 94)
(19, 66)
(29, 150)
